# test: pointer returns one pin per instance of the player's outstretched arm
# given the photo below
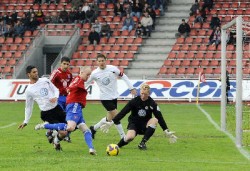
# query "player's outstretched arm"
(105, 127)
(171, 136)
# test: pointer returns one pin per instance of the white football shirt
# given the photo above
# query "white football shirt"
(41, 92)
(106, 80)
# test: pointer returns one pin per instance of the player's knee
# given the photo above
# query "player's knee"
(129, 138)
(70, 129)
(63, 133)
(154, 121)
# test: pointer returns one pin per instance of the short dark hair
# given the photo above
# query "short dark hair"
(101, 56)
(29, 68)
(65, 58)
(183, 20)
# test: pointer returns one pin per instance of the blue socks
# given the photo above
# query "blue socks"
(88, 139)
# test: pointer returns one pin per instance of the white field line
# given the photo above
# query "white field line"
(241, 150)
(6, 126)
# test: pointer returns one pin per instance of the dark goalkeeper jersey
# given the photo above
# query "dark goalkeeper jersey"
(141, 112)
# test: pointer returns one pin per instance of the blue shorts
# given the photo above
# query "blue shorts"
(62, 102)
(74, 113)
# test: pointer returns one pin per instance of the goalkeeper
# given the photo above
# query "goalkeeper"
(141, 121)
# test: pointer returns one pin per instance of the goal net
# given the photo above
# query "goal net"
(235, 116)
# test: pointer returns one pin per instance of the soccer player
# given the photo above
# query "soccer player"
(76, 100)
(141, 121)
(106, 79)
(44, 92)
(61, 78)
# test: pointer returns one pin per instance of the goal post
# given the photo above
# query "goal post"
(238, 109)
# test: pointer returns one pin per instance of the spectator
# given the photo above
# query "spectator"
(72, 16)
(139, 30)
(136, 9)
(128, 23)
(94, 37)
(63, 16)
(13, 17)
(147, 23)
(97, 26)
(80, 15)
(18, 29)
(95, 8)
(152, 14)
(207, 4)
(105, 30)
(33, 23)
(194, 8)
(47, 18)
(200, 16)
(85, 7)
(9, 30)
(160, 4)
(76, 3)
(118, 10)
(183, 30)
(54, 17)
(231, 39)
(215, 22)
(215, 37)
(90, 16)
(29, 13)
(5, 18)
(2, 27)
(39, 16)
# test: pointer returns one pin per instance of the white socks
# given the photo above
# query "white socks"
(120, 130)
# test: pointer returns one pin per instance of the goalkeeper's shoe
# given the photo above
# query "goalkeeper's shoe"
(142, 146)
(92, 151)
(93, 131)
(40, 126)
(57, 147)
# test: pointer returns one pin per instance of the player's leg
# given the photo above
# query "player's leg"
(111, 115)
(111, 107)
(127, 138)
(149, 131)
(87, 137)
(62, 104)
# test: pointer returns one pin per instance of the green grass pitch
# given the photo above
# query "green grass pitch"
(200, 146)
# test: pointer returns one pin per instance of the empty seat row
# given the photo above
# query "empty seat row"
(16, 54)
(115, 62)
(202, 55)
(118, 41)
(183, 70)
(108, 48)
(111, 55)
(14, 47)
(202, 47)
(17, 40)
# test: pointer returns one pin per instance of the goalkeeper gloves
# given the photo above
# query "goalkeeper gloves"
(105, 127)
(171, 136)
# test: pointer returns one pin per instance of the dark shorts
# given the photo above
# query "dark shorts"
(109, 104)
(139, 127)
(56, 115)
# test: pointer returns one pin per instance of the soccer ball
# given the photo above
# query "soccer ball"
(112, 150)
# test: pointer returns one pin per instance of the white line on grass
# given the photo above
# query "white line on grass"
(241, 150)
(6, 126)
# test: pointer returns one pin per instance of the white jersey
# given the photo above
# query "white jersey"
(41, 92)
(106, 80)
